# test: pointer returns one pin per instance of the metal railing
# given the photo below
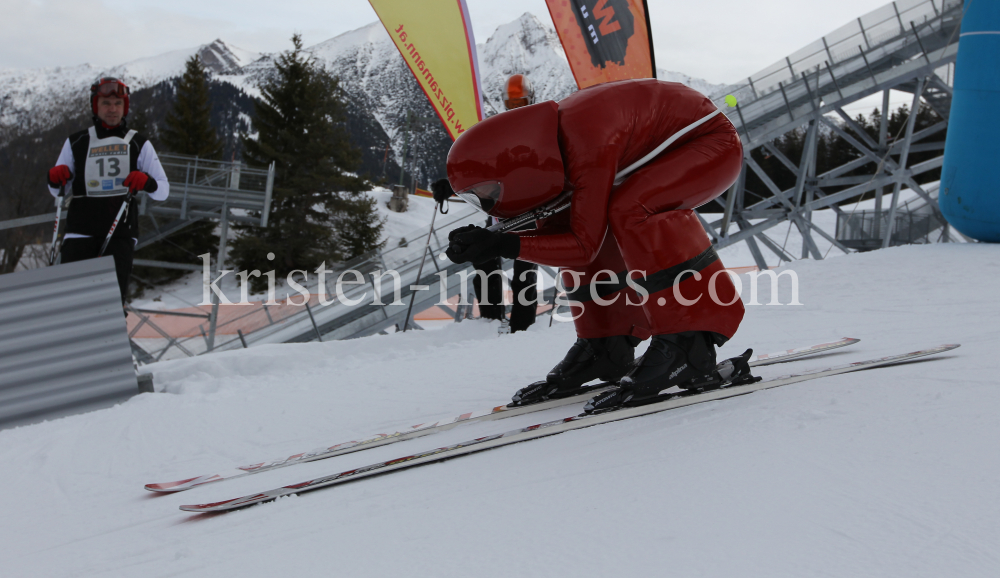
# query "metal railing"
(852, 56)
(858, 230)
(869, 32)
(260, 323)
(199, 188)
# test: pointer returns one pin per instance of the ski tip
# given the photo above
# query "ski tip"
(213, 507)
(177, 486)
(225, 505)
(181, 485)
(935, 350)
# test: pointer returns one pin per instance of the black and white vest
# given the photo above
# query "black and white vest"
(103, 158)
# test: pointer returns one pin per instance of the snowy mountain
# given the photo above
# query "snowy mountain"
(48, 92)
(375, 75)
(380, 90)
(524, 46)
(702, 86)
(378, 83)
(527, 46)
(376, 79)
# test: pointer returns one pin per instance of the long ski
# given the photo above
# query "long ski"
(551, 428)
(420, 430)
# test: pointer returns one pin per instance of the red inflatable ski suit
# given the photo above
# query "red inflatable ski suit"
(644, 228)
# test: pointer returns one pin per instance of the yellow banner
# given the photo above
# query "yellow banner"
(436, 41)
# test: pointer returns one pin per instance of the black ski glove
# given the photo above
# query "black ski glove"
(442, 190)
(476, 244)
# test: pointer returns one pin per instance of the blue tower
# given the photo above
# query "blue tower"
(970, 178)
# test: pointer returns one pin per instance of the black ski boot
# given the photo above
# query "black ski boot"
(679, 359)
(732, 371)
(604, 358)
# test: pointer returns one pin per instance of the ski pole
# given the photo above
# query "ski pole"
(114, 225)
(555, 300)
(420, 271)
(54, 248)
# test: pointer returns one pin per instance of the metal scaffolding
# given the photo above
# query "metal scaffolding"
(899, 46)
(207, 189)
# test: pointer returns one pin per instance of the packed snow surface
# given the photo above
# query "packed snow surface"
(887, 472)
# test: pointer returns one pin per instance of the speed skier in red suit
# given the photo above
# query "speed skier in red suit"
(634, 158)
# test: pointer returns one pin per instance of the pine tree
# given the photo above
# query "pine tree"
(187, 131)
(138, 120)
(317, 210)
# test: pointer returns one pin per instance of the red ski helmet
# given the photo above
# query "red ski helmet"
(510, 163)
(109, 86)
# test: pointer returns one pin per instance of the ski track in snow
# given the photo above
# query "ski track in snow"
(888, 472)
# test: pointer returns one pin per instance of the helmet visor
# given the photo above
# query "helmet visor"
(512, 103)
(483, 196)
(111, 87)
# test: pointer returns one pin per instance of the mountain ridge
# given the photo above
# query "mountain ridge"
(59, 90)
(379, 90)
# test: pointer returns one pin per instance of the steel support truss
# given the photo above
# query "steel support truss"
(902, 46)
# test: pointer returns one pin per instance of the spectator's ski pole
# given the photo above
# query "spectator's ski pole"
(122, 213)
(55, 247)
(420, 271)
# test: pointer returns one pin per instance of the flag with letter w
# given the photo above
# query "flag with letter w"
(605, 40)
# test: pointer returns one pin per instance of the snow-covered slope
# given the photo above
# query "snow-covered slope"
(890, 472)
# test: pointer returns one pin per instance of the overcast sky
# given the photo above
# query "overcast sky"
(719, 40)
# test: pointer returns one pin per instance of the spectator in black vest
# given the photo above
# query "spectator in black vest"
(518, 92)
(104, 167)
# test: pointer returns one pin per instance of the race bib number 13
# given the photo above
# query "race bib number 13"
(106, 167)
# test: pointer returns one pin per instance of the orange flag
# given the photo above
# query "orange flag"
(604, 40)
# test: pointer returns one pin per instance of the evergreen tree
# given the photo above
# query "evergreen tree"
(317, 211)
(187, 131)
(358, 227)
(138, 120)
